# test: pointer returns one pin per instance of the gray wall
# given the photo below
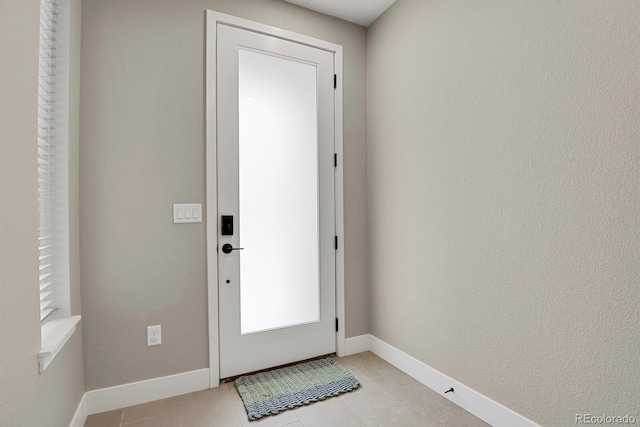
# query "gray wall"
(28, 398)
(503, 159)
(143, 149)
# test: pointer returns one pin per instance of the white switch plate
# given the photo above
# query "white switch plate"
(154, 335)
(187, 213)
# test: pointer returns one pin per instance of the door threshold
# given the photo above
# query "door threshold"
(231, 379)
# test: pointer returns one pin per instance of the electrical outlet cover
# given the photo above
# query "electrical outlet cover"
(154, 335)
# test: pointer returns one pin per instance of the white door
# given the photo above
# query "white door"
(275, 194)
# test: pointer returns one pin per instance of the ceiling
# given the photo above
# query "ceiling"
(362, 12)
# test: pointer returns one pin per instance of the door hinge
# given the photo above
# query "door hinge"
(335, 81)
(336, 324)
(336, 242)
(335, 160)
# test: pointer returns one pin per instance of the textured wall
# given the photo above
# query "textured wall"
(143, 150)
(28, 398)
(503, 204)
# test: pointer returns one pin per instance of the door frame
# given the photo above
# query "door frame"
(213, 18)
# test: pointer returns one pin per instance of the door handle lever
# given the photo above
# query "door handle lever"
(227, 248)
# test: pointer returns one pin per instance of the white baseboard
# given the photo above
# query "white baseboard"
(80, 416)
(478, 404)
(481, 406)
(357, 344)
(121, 396)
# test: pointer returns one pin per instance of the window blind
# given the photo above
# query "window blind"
(52, 160)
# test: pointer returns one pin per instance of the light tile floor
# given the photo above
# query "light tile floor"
(387, 397)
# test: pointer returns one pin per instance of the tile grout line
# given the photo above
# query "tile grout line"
(404, 404)
(353, 414)
(383, 389)
(147, 418)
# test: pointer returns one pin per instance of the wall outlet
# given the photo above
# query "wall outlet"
(154, 335)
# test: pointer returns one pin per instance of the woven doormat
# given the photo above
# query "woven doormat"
(268, 393)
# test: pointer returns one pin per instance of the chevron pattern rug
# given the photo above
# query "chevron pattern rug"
(271, 392)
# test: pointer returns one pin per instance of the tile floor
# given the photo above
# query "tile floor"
(386, 397)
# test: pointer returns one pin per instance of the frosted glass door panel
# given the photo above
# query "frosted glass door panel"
(278, 191)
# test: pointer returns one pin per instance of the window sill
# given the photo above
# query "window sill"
(55, 334)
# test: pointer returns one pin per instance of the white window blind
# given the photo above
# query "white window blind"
(53, 182)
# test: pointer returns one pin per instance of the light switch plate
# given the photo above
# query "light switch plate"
(186, 213)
